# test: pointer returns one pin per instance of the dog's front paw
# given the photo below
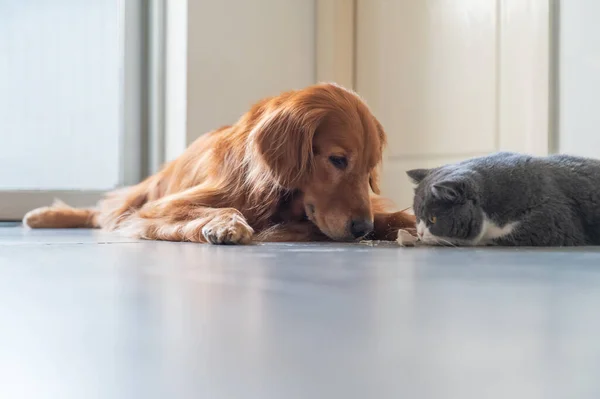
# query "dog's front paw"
(406, 239)
(228, 229)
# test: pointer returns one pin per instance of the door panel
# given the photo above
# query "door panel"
(428, 70)
(453, 79)
(579, 77)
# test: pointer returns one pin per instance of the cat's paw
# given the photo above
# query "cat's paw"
(406, 239)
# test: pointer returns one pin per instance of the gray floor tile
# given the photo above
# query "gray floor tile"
(87, 314)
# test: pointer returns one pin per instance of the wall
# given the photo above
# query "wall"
(241, 51)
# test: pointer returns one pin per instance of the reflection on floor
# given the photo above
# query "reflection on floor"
(86, 314)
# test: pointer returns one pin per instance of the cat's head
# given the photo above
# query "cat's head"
(447, 206)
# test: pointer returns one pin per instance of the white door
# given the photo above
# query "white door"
(61, 102)
(579, 78)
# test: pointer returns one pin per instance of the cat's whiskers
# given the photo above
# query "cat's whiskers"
(446, 242)
(433, 240)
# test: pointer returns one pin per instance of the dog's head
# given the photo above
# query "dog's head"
(323, 141)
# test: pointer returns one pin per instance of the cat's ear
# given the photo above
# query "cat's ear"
(449, 190)
(417, 175)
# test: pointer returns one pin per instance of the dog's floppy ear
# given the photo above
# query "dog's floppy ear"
(283, 138)
(374, 176)
(374, 181)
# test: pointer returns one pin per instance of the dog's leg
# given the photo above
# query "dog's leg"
(212, 225)
(177, 217)
(292, 232)
(387, 224)
(386, 228)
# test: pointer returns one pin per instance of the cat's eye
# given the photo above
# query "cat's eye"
(432, 219)
(338, 162)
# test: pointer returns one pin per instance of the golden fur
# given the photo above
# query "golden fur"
(268, 177)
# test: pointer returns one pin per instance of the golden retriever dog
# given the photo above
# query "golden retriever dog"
(301, 166)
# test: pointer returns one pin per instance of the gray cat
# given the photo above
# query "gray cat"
(510, 199)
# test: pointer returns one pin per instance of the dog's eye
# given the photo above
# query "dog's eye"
(338, 162)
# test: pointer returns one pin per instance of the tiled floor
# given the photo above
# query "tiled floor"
(90, 315)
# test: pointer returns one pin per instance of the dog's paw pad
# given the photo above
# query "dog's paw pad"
(230, 229)
(405, 239)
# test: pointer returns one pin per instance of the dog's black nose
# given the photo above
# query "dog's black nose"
(360, 227)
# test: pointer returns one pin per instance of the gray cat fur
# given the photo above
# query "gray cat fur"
(555, 199)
